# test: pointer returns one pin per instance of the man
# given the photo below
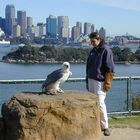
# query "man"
(99, 75)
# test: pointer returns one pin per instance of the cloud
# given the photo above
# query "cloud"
(123, 4)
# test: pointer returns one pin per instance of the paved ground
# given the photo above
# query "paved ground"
(123, 133)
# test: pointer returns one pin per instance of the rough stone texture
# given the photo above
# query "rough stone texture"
(73, 115)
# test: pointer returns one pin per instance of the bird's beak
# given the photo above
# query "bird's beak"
(66, 66)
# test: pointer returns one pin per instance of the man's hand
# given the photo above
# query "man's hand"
(108, 80)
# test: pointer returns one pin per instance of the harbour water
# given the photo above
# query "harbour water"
(116, 99)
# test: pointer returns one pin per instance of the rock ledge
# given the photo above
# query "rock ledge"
(73, 115)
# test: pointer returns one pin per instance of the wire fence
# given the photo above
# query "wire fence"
(123, 98)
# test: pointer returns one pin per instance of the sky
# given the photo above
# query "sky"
(118, 17)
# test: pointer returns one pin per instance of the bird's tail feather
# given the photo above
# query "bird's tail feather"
(43, 86)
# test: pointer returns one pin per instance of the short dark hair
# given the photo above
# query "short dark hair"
(97, 36)
(94, 35)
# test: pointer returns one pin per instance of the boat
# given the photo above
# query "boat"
(4, 43)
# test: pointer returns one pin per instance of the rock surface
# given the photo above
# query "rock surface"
(73, 115)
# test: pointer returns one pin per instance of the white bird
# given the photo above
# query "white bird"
(53, 80)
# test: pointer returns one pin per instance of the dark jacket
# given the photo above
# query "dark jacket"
(100, 61)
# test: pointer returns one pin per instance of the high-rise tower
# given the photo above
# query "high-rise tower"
(63, 27)
(102, 32)
(79, 24)
(88, 28)
(21, 20)
(51, 27)
(75, 33)
(29, 24)
(9, 19)
(2, 24)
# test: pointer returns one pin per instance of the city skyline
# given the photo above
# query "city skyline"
(118, 17)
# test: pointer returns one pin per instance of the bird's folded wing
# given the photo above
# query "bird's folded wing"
(54, 76)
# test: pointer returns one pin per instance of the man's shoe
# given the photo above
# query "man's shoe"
(107, 132)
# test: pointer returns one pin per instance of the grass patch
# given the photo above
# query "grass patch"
(122, 122)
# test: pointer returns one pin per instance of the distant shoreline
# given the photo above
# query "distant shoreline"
(128, 62)
(59, 62)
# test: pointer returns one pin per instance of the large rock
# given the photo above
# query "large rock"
(73, 115)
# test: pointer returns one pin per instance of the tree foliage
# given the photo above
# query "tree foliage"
(71, 54)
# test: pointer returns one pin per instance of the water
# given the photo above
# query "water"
(116, 99)
(9, 71)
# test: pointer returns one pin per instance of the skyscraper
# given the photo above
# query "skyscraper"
(2, 24)
(88, 28)
(92, 28)
(29, 21)
(79, 24)
(16, 30)
(51, 27)
(41, 26)
(63, 27)
(21, 20)
(75, 33)
(29, 24)
(102, 32)
(9, 18)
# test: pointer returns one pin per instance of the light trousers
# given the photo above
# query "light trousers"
(96, 87)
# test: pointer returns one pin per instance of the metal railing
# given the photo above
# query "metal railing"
(20, 81)
(128, 89)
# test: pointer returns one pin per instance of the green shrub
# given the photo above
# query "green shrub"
(136, 103)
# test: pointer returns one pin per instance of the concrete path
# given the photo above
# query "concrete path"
(123, 133)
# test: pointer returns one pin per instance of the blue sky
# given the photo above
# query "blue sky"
(118, 17)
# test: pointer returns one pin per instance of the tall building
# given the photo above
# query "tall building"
(102, 32)
(16, 31)
(79, 24)
(29, 21)
(92, 28)
(41, 27)
(75, 33)
(2, 24)
(63, 27)
(29, 24)
(9, 19)
(88, 28)
(36, 31)
(51, 27)
(21, 20)
(32, 32)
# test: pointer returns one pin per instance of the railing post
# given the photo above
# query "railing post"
(129, 97)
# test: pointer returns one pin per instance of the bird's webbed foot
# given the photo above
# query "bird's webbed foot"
(51, 92)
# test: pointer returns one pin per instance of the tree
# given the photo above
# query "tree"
(137, 54)
(126, 54)
(116, 53)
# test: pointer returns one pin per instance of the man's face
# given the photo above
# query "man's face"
(94, 42)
